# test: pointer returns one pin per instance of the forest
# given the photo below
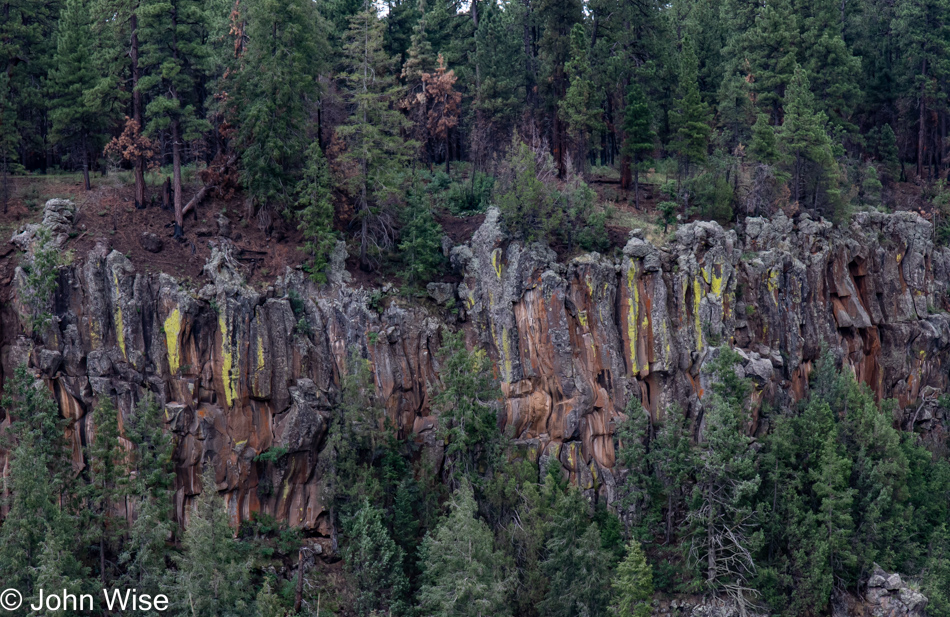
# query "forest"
(367, 125)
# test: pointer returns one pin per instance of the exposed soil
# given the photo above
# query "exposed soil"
(107, 214)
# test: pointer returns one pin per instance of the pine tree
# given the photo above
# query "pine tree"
(107, 487)
(267, 603)
(689, 118)
(420, 244)
(723, 521)
(276, 93)
(763, 147)
(937, 573)
(117, 56)
(26, 51)
(500, 90)
(174, 61)
(923, 39)
(315, 212)
(673, 459)
(57, 571)
(633, 584)
(526, 204)
(212, 574)
(764, 53)
(555, 19)
(579, 108)
(576, 564)
(465, 403)
(804, 140)
(373, 130)
(463, 576)
(39, 503)
(352, 440)
(633, 456)
(375, 563)
(76, 114)
(887, 151)
(638, 134)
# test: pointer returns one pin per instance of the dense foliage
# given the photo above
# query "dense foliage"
(724, 109)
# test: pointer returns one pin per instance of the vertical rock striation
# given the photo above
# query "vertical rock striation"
(241, 370)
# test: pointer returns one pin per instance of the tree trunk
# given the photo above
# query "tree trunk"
(298, 592)
(921, 130)
(798, 176)
(710, 539)
(137, 110)
(636, 186)
(176, 177)
(85, 163)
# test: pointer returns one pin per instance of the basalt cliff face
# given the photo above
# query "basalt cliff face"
(241, 369)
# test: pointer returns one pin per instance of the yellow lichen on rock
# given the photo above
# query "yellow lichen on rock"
(698, 324)
(229, 360)
(633, 309)
(172, 327)
(119, 328)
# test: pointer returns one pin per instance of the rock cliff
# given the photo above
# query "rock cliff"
(242, 369)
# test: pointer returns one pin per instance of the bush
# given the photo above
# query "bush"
(469, 197)
(712, 197)
(527, 204)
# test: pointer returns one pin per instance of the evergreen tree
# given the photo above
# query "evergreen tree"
(315, 212)
(633, 456)
(763, 147)
(39, 505)
(827, 60)
(555, 19)
(804, 140)
(500, 89)
(576, 563)
(57, 572)
(376, 564)
(638, 134)
(277, 87)
(76, 114)
(723, 520)
(352, 441)
(267, 603)
(633, 584)
(465, 401)
(937, 573)
(107, 487)
(888, 155)
(174, 60)
(579, 107)
(674, 461)
(461, 575)
(420, 243)
(526, 204)
(373, 130)
(689, 118)
(212, 574)
(117, 58)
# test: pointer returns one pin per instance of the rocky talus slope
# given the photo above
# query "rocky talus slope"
(242, 369)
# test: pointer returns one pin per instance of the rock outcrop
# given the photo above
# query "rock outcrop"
(240, 370)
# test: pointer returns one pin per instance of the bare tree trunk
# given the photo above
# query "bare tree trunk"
(636, 185)
(921, 130)
(137, 110)
(176, 175)
(710, 540)
(85, 163)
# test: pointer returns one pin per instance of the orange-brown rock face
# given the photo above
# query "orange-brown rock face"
(240, 371)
